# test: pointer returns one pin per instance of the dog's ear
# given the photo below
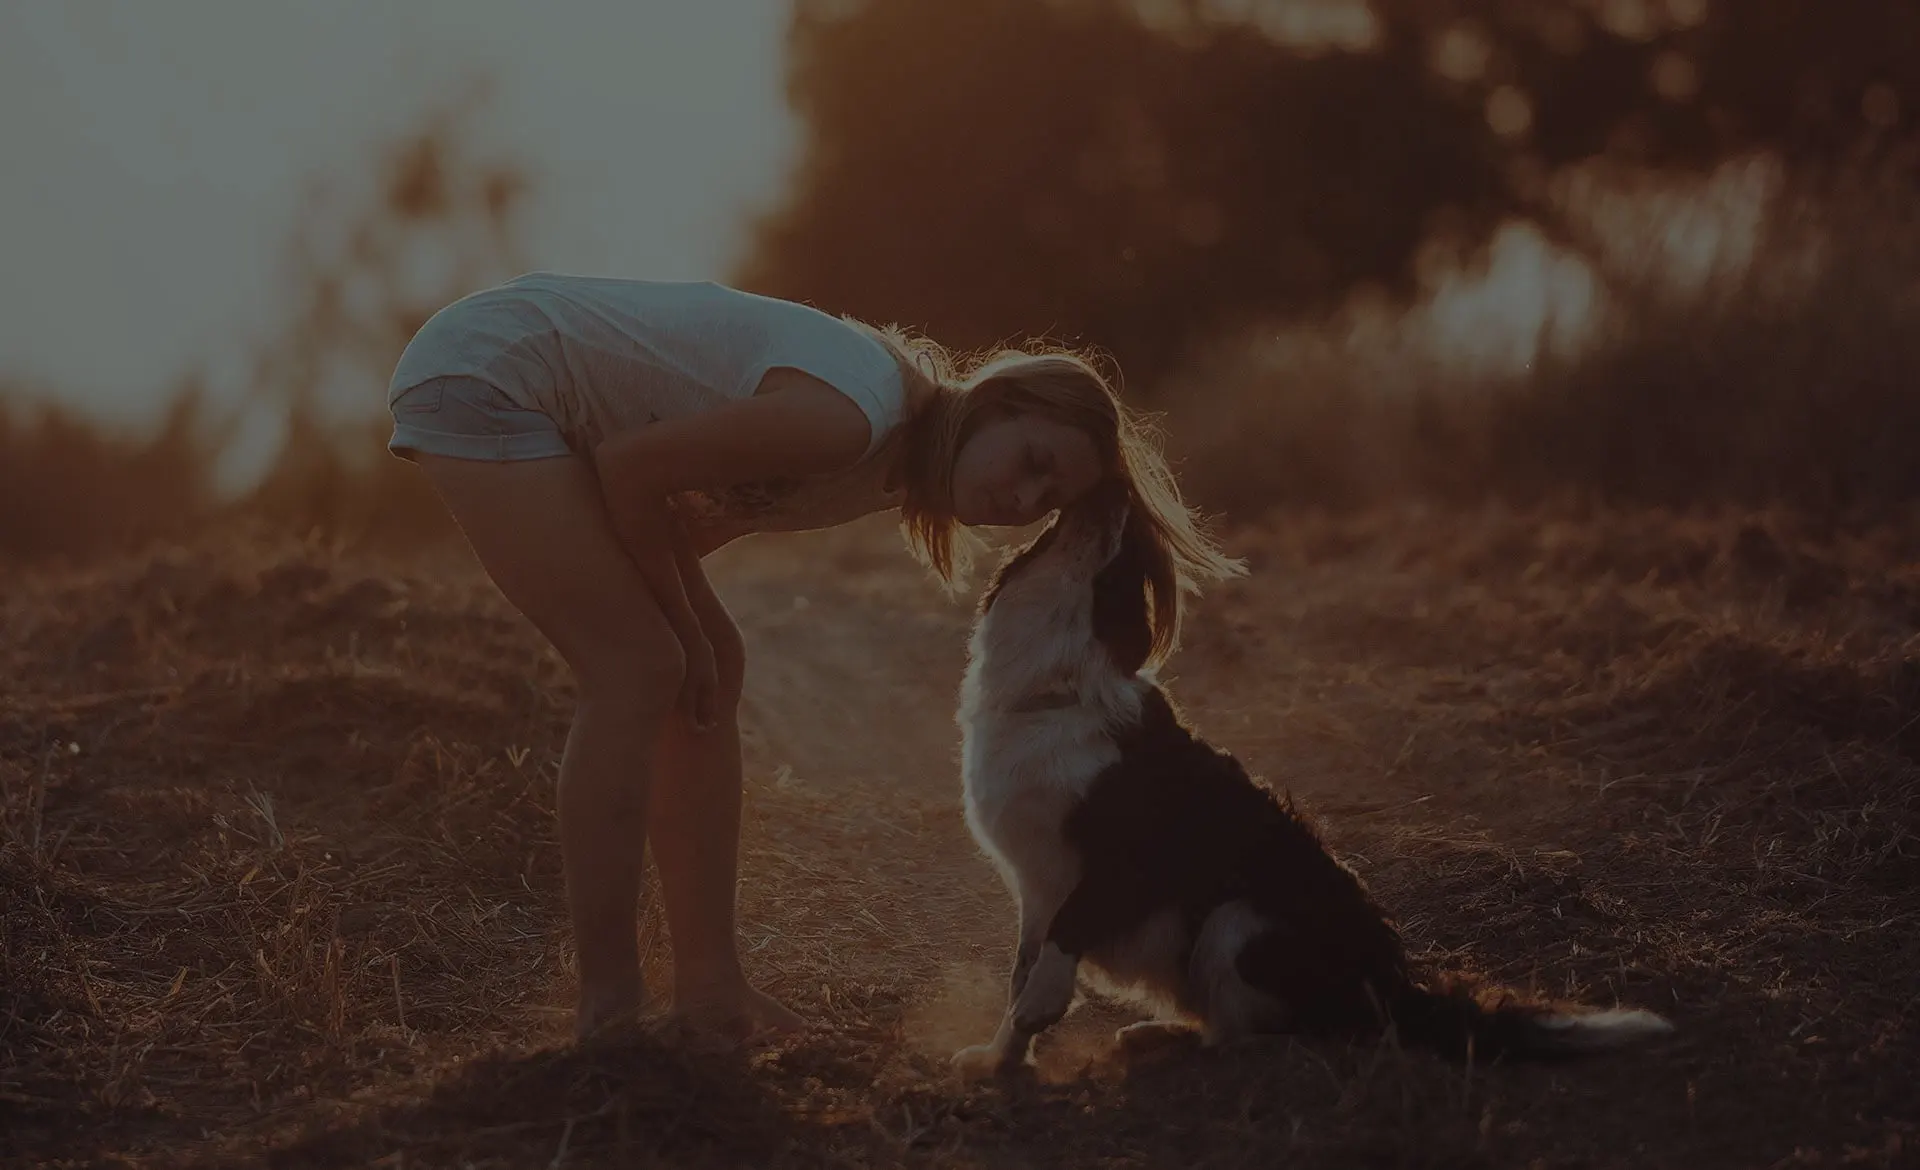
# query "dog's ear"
(1013, 564)
(1122, 609)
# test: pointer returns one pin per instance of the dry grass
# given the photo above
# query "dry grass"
(279, 885)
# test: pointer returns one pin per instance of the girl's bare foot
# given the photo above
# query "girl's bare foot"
(739, 1012)
(599, 1014)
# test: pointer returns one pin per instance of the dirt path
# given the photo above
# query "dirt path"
(278, 878)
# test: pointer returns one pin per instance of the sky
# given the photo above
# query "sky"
(152, 154)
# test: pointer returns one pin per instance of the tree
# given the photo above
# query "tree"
(1134, 175)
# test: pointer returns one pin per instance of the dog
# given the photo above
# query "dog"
(1145, 857)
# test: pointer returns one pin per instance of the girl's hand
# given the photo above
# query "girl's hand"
(700, 687)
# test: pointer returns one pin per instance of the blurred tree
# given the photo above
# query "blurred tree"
(1132, 173)
(436, 222)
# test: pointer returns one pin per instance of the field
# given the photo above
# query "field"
(279, 882)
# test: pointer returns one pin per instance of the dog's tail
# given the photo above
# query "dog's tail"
(1461, 1025)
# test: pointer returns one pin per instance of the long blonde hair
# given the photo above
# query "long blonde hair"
(1066, 386)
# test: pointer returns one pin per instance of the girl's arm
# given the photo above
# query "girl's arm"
(651, 535)
(701, 686)
(658, 544)
(796, 425)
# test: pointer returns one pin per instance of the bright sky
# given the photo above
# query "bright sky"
(153, 153)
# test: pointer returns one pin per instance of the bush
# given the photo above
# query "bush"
(1797, 382)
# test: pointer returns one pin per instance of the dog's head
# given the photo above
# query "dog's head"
(1103, 553)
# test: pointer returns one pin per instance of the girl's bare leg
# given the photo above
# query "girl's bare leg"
(541, 531)
(696, 842)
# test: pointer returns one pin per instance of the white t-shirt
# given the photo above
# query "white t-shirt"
(601, 355)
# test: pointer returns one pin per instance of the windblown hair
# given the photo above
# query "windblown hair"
(1065, 386)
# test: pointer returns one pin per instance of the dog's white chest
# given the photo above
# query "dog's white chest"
(1024, 773)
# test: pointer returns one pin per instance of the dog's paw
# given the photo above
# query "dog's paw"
(984, 1061)
(1151, 1038)
(978, 1062)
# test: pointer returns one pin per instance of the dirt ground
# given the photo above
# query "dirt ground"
(279, 882)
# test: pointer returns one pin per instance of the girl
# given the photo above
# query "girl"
(595, 438)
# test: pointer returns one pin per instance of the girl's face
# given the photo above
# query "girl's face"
(1015, 468)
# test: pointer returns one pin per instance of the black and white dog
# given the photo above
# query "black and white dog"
(1145, 857)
